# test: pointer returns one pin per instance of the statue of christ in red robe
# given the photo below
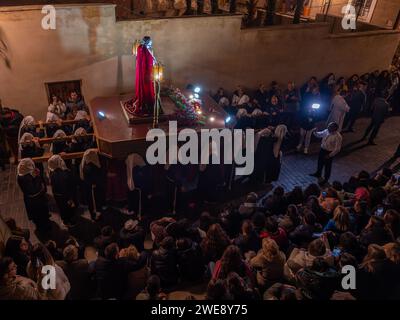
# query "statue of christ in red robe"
(143, 103)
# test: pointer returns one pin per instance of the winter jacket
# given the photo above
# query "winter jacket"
(190, 263)
(268, 272)
(163, 263)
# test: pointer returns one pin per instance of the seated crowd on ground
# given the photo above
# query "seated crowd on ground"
(290, 245)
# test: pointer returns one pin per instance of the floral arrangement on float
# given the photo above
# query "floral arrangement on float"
(188, 111)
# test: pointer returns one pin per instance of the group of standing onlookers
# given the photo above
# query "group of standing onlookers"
(338, 100)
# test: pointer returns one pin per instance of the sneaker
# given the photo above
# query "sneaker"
(371, 143)
(298, 148)
(305, 150)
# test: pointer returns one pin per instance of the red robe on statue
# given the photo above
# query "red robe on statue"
(144, 86)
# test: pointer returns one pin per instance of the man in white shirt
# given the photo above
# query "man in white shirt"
(339, 109)
(330, 146)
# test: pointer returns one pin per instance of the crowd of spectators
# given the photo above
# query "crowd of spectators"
(288, 245)
(329, 99)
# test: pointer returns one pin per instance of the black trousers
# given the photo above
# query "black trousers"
(67, 213)
(324, 162)
(350, 120)
(374, 127)
(94, 197)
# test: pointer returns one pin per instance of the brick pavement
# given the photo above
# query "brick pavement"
(354, 157)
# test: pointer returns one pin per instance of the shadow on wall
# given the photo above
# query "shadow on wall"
(91, 16)
(4, 51)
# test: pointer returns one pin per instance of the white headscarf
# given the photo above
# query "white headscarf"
(90, 156)
(27, 121)
(51, 108)
(280, 133)
(79, 132)
(132, 161)
(26, 166)
(241, 113)
(81, 115)
(262, 133)
(56, 162)
(58, 134)
(257, 112)
(52, 117)
(26, 138)
(223, 102)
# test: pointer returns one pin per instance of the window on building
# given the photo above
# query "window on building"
(364, 9)
(62, 89)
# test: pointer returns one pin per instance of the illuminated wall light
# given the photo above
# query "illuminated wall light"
(197, 89)
(101, 114)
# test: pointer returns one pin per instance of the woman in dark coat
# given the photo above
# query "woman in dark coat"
(264, 143)
(59, 146)
(29, 147)
(19, 250)
(81, 142)
(64, 190)
(139, 181)
(375, 276)
(275, 159)
(163, 262)
(91, 175)
(34, 190)
(28, 125)
(375, 232)
(210, 176)
(190, 260)
(248, 239)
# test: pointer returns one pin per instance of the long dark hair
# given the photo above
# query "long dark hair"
(215, 241)
(392, 221)
(375, 254)
(231, 261)
(40, 257)
(293, 214)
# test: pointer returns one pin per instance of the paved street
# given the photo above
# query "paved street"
(354, 157)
